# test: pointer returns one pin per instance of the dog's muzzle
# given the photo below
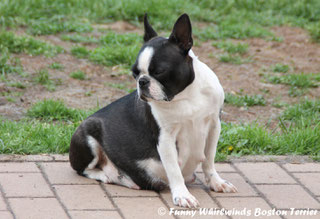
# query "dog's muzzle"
(150, 88)
(144, 82)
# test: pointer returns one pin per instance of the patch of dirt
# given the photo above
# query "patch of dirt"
(83, 94)
(296, 50)
(119, 26)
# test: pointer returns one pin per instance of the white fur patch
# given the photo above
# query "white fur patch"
(156, 90)
(154, 168)
(145, 59)
(93, 144)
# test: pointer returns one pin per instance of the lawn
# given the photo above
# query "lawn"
(62, 60)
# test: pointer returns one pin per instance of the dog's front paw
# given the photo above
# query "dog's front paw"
(223, 186)
(184, 199)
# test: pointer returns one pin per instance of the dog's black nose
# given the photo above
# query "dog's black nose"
(144, 82)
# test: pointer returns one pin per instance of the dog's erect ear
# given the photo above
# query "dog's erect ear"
(148, 30)
(182, 33)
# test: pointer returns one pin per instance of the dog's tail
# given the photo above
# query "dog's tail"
(80, 153)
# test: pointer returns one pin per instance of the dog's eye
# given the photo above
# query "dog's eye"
(135, 73)
(159, 72)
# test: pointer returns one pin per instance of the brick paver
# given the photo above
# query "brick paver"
(37, 208)
(3, 205)
(310, 180)
(288, 196)
(83, 197)
(6, 215)
(62, 173)
(142, 207)
(18, 168)
(94, 214)
(264, 173)
(313, 167)
(25, 185)
(47, 187)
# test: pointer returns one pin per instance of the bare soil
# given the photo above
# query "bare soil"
(297, 50)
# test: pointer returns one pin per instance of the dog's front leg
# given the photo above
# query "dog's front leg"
(169, 158)
(213, 179)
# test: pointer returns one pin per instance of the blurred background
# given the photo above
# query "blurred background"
(62, 60)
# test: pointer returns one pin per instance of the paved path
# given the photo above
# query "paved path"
(46, 187)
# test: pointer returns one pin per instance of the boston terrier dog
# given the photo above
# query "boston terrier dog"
(158, 135)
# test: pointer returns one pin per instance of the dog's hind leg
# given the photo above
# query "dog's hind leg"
(101, 168)
(92, 171)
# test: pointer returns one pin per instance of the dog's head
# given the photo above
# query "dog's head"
(163, 67)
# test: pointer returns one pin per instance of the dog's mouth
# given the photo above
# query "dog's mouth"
(145, 96)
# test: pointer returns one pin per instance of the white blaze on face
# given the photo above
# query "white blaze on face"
(145, 59)
(155, 88)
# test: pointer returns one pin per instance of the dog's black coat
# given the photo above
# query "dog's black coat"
(135, 125)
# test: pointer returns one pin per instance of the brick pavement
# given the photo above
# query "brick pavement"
(45, 186)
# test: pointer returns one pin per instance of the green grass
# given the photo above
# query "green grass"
(299, 83)
(314, 30)
(244, 100)
(80, 75)
(10, 95)
(56, 65)
(35, 137)
(305, 112)
(127, 39)
(50, 110)
(56, 25)
(43, 78)
(114, 49)
(299, 126)
(232, 51)
(229, 47)
(117, 49)
(80, 52)
(253, 139)
(279, 67)
(77, 38)
(47, 130)
(111, 56)
(26, 44)
(231, 19)
(17, 84)
(9, 65)
(233, 59)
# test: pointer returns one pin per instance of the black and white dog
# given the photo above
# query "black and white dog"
(159, 134)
